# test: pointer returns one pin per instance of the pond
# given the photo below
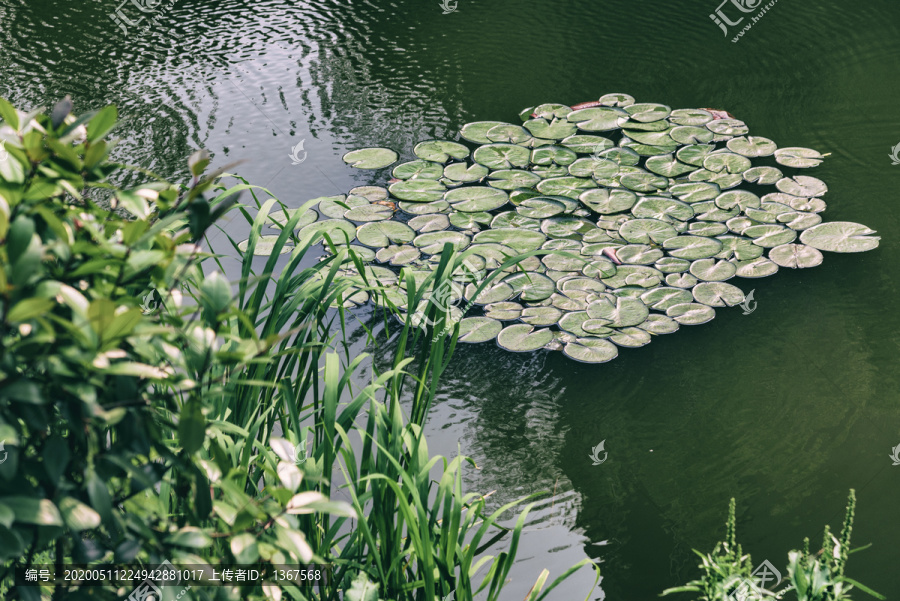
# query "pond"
(785, 408)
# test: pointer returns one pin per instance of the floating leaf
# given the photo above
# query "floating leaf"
(461, 172)
(282, 217)
(763, 176)
(644, 182)
(429, 223)
(340, 231)
(549, 111)
(647, 112)
(370, 158)
(433, 243)
(369, 212)
(727, 162)
(511, 134)
(840, 237)
(422, 190)
(424, 208)
(692, 247)
(606, 201)
(440, 151)
(265, 246)
(695, 192)
(737, 198)
(663, 209)
(591, 350)
(690, 117)
(597, 119)
(540, 208)
(718, 294)
(795, 255)
(478, 329)
(631, 337)
(694, 154)
(752, 146)
(472, 199)
(756, 268)
(334, 207)
(668, 166)
(510, 179)
(769, 236)
(711, 270)
(689, 134)
(587, 143)
(557, 129)
(398, 255)
(522, 338)
(664, 297)
(385, 233)
(691, 314)
(802, 185)
(645, 231)
(370, 193)
(477, 131)
(659, 324)
(728, 127)
(502, 156)
(798, 157)
(418, 170)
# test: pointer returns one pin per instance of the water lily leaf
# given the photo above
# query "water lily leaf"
(756, 268)
(644, 182)
(418, 190)
(478, 329)
(600, 268)
(646, 112)
(468, 221)
(668, 166)
(626, 274)
(695, 192)
(645, 231)
(802, 185)
(727, 162)
(707, 228)
(591, 350)
(557, 262)
(711, 270)
(647, 150)
(510, 179)
(369, 212)
(557, 129)
(682, 280)
(631, 337)
(621, 156)
(770, 236)
(672, 265)
(334, 207)
(690, 117)
(502, 156)
(663, 209)
(433, 243)
(503, 311)
(738, 247)
(728, 127)
(752, 146)
(520, 240)
(708, 211)
(800, 220)
(571, 187)
(265, 246)
(440, 151)
(840, 237)
(510, 134)
(553, 155)
(429, 223)
(795, 255)
(597, 327)
(477, 131)
(659, 324)
(768, 212)
(764, 176)
(718, 294)
(461, 172)
(798, 157)
(691, 314)
(491, 294)
(364, 254)
(571, 322)
(522, 338)
(540, 207)
(689, 134)
(541, 316)
(424, 208)
(566, 226)
(694, 154)
(587, 143)
(616, 99)
(282, 217)
(532, 286)
(370, 158)
(664, 297)
(398, 255)
(798, 203)
(652, 138)
(551, 110)
(340, 231)
(473, 199)
(638, 254)
(597, 119)
(724, 180)
(514, 219)
(385, 233)
(606, 201)
(737, 198)
(418, 170)
(370, 193)
(692, 247)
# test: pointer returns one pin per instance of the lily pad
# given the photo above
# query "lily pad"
(659, 324)
(520, 240)
(340, 231)
(663, 209)
(647, 112)
(645, 231)
(429, 223)
(510, 134)
(334, 207)
(755, 268)
(597, 119)
(265, 246)
(477, 131)
(689, 134)
(695, 192)
(398, 255)
(424, 208)
(710, 270)
(728, 127)
(690, 117)
(532, 286)
(540, 208)
(385, 233)
(631, 337)
(644, 182)
(522, 338)
(587, 143)
(440, 151)
(770, 235)
(422, 190)
(556, 129)
(691, 314)
(418, 170)
(478, 329)
(370, 193)
(464, 173)
(795, 256)
(369, 212)
(571, 187)
(553, 155)
(694, 154)
(668, 166)
(282, 217)
(371, 158)
(591, 350)
(433, 242)
(840, 237)
(469, 221)
(472, 199)
(802, 185)
(510, 179)
(727, 162)
(752, 146)
(660, 299)
(692, 247)
(763, 176)
(606, 201)
(541, 316)
(718, 294)
(798, 157)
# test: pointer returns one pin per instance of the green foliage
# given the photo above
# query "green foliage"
(151, 411)
(810, 577)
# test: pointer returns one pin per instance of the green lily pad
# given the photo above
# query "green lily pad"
(710, 270)
(522, 338)
(770, 235)
(340, 231)
(282, 217)
(572, 322)
(265, 246)
(469, 221)
(802, 185)
(421, 190)
(764, 176)
(695, 192)
(630, 275)
(597, 119)
(520, 240)
(840, 237)
(473, 199)
(553, 155)
(551, 110)
(429, 223)
(491, 294)
(800, 220)
(557, 129)
(398, 255)
(659, 324)
(668, 166)
(644, 182)
(652, 138)
(502, 156)
(514, 219)
(691, 314)
(510, 134)
(424, 208)
(369, 212)
(752, 146)
(690, 117)
(694, 154)
(420, 169)
(728, 127)
(660, 299)
(566, 226)
(718, 294)
(384, 233)
(707, 228)
(571, 187)
(663, 209)
(559, 262)
(606, 201)
(463, 173)
(587, 143)
(541, 316)
(478, 329)
(433, 242)
(645, 231)
(510, 179)
(738, 247)
(540, 208)
(440, 151)
(672, 265)
(591, 350)
(621, 156)
(477, 131)
(370, 158)
(727, 162)
(756, 268)
(737, 198)
(647, 112)
(682, 280)
(798, 157)
(795, 256)
(370, 193)
(631, 337)
(503, 311)
(532, 286)
(692, 247)
(334, 207)
(638, 254)
(689, 134)
(600, 268)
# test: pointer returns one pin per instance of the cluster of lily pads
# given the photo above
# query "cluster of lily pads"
(648, 211)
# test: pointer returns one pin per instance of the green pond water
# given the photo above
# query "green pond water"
(785, 408)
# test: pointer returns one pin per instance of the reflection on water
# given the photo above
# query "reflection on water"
(784, 409)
